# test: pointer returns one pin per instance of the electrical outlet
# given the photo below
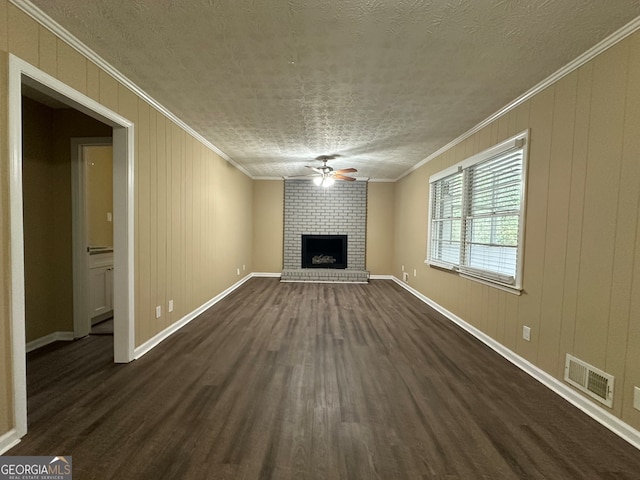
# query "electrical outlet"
(405, 276)
(238, 271)
(415, 272)
(244, 267)
(636, 398)
(109, 217)
(158, 311)
(526, 333)
(403, 268)
(171, 305)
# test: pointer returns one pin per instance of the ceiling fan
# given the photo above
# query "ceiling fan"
(326, 176)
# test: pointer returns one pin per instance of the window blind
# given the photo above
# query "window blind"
(492, 217)
(446, 216)
(476, 210)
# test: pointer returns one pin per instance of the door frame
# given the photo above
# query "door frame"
(81, 296)
(123, 213)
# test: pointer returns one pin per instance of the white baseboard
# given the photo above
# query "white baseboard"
(613, 423)
(381, 277)
(266, 274)
(101, 318)
(8, 440)
(167, 332)
(47, 339)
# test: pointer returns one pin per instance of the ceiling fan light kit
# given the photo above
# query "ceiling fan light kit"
(324, 181)
(325, 176)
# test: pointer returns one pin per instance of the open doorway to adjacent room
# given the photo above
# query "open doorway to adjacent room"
(44, 115)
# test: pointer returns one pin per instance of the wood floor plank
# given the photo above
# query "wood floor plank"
(310, 381)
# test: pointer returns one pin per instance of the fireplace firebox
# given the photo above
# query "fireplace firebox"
(324, 251)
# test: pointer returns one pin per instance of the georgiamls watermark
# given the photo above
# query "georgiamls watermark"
(35, 468)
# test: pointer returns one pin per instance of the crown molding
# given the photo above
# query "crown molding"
(382, 180)
(50, 24)
(617, 36)
(306, 178)
(370, 180)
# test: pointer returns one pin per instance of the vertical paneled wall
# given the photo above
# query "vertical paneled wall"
(193, 210)
(582, 243)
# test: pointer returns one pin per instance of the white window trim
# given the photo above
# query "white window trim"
(517, 141)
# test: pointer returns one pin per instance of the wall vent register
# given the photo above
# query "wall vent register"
(590, 380)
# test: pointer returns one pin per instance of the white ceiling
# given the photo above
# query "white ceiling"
(383, 83)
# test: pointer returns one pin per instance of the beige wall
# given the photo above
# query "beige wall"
(380, 223)
(193, 210)
(38, 170)
(581, 266)
(47, 137)
(99, 189)
(268, 224)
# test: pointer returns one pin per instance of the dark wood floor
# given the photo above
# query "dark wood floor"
(298, 381)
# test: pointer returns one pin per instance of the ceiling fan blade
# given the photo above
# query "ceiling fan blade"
(317, 170)
(337, 176)
(345, 170)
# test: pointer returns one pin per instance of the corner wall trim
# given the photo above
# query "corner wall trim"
(8, 440)
(613, 423)
(47, 339)
(170, 330)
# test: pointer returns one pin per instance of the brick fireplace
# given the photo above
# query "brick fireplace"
(339, 211)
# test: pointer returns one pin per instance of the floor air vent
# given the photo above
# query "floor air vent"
(590, 380)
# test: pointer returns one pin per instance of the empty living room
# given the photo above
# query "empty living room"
(320, 239)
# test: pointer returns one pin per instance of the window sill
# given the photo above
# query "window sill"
(454, 270)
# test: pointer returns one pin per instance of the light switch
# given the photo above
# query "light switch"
(109, 217)
(158, 311)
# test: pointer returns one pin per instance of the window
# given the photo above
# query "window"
(476, 215)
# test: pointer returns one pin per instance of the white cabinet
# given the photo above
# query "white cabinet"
(100, 286)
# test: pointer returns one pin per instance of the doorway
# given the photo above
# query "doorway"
(93, 252)
(21, 73)
(49, 221)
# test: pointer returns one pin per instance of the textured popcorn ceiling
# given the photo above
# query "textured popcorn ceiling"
(383, 83)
